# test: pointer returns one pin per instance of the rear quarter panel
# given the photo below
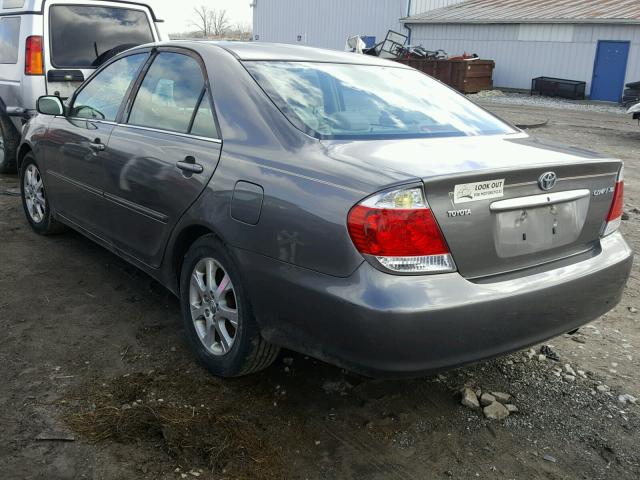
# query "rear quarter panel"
(303, 219)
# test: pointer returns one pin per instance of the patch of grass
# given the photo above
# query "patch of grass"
(190, 419)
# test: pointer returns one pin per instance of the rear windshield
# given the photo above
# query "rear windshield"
(9, 37)
(340, 101)
(81, 34)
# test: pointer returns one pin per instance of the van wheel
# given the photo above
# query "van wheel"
(7, 153)
(217, 315)
(34, 199)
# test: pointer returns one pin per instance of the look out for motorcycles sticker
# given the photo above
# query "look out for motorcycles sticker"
(472, 192)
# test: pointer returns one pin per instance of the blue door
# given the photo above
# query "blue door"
(609, 70)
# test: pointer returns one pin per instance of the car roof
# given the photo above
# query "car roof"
(246, 51)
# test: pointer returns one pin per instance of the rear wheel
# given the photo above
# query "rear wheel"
(217, 315)
(34, 199)
(7, 164)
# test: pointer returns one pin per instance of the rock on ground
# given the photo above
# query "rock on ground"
(487, 399)
(469, 398)
(496, 411)
(501, 396)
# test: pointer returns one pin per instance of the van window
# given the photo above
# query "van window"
(81, 34)
(9, 38)
(169, 93)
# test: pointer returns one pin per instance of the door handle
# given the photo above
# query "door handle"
(189, 165)
(97, 145)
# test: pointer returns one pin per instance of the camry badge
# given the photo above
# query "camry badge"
(547, 180)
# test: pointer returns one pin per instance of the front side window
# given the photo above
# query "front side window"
(169, 93)
(9, 38)
(342, 101)
(82, 34)
(100, 99)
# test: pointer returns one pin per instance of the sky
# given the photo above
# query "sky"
(177, 14)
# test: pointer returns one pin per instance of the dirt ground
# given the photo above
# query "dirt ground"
(97, 382)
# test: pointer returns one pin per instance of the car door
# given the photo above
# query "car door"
(76, 147)
(163, 155)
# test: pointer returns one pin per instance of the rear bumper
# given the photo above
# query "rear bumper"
(381, 324)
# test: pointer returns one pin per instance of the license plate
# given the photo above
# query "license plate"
(530, 230)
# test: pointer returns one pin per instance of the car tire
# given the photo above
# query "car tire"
(7, 164)
(34, 200)
(218, 319)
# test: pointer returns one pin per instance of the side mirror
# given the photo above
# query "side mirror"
(50, 105)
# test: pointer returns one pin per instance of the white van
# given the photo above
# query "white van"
(48, 47)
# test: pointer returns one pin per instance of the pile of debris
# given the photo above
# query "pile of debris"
(631, 94)
(495, 405)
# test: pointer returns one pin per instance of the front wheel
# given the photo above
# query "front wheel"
(217, 315)
(34, 199)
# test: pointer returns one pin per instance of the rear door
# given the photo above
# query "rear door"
(162, 156)
(83, 36)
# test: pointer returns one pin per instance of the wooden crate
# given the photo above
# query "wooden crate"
(466, 76)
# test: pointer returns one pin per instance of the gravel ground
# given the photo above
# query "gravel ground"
(97, 381)
(525, 100)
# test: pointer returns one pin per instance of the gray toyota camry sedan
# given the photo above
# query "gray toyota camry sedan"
(340, 205)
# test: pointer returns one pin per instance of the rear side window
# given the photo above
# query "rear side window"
(101, 98)
(169, 93)
(203, 123)
(81, 34)
(9, 38)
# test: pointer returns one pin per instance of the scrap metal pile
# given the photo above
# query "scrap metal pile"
(394, 46)
(466, 73)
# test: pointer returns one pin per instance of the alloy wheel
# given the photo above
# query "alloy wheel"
(214, 307)
(34, 193)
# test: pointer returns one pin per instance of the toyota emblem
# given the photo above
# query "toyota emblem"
(547, 180)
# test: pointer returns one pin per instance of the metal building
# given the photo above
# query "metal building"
(328, 23)
(596, 41)
(325, 23)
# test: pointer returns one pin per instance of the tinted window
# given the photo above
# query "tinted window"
(82, 34)
(101, 98)
(169, 93)
(9, 38)
(203, 124)
(366, 101)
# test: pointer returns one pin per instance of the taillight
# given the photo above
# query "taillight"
(33, 64)
(398, 229)
(614, 218)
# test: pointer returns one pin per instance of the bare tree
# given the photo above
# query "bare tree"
(243, 30)
(219, 22)
(210, 22)
(202, 20)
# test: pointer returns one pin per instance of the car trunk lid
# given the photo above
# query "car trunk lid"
(504, 220)
(485, 194)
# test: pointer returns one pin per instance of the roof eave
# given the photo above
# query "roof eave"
(605, 21)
